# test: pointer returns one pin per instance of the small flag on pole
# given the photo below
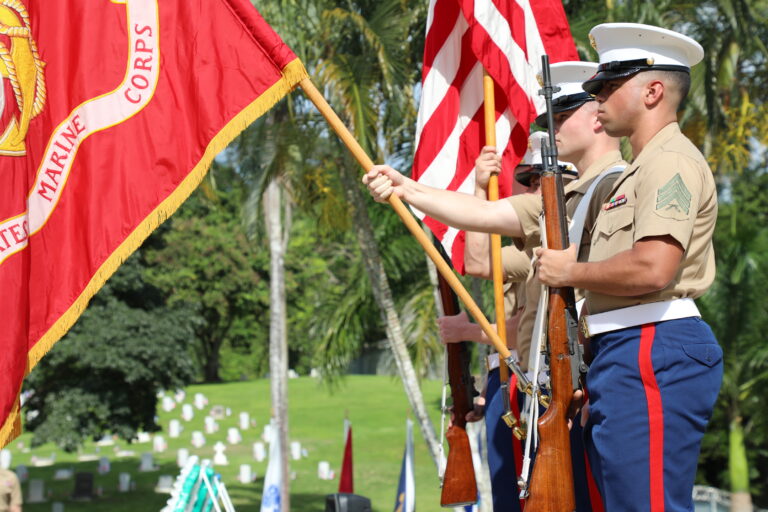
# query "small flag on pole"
(346, 481)
(110, 114)
(270, 499)
(406, 488)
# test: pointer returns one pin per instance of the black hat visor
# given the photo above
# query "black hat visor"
(563, 104)
(527, 172)
(621, 69)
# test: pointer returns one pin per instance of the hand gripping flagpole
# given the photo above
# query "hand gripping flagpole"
(410, 222)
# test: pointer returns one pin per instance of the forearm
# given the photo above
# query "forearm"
(626, 274)
(477, 255)
(462, 211)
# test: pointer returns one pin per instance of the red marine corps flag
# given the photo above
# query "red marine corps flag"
(110, 113)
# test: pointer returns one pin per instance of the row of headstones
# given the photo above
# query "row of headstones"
(83, 488)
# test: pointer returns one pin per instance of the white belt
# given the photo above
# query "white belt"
(637, 315)
(492, 362)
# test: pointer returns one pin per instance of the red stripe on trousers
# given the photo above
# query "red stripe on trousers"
(655, 417)
(595, 499)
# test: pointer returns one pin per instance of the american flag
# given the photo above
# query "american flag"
(508, 38)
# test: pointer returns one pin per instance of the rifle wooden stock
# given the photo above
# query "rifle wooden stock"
(459, 485)
(551, 488)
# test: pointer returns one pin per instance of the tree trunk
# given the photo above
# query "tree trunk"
(278, 344)
(211, 356)
(383, 296)
(738, 468)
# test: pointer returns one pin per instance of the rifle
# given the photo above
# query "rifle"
(551, 488)
(459, 485)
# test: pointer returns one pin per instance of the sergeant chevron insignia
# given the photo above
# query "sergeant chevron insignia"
(674, 196)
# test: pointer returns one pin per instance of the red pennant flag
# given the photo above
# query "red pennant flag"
(346, 480)
(110, 113)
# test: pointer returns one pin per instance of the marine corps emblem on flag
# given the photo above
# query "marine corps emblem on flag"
(22, 83)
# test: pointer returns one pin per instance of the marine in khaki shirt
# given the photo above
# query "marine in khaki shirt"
(657, 367)
(668, 190)
(10, 492)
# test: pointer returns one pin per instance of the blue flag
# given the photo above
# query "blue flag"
(405, 501)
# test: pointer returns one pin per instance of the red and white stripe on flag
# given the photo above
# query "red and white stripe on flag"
(508, 38)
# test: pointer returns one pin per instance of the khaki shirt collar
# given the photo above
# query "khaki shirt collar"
(657, 141)
(581, 185)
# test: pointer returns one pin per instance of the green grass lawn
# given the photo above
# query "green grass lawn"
(376, 405)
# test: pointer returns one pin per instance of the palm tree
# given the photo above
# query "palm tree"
(363, 67)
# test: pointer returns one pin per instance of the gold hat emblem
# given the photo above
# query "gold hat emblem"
(593, 42)
(540, 79)
(22, 68)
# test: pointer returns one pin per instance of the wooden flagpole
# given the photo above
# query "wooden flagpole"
(405, 216)
(489, 111)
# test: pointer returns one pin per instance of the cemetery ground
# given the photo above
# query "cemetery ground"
(376, 405)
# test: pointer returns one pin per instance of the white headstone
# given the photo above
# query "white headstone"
(295, 450)
(323, 470)
(5, 459)
(259, 451)
(106, 440)
(314, 373)
(87, 457)
(246, 475)
(228, 411)
(158, 444)
(266, 435)
(182, 455)
(233, 436)
(39, 462)
(63, 474)
(147, 462)
(219, 459)
(245, 421)
(187, 413)
(104, 466)
(174, 429)
(210, 425)
(124, 482)
(179, 396)
(125, 453)
(143, 437)
(200, 400)
(22, 473)
(57, 507)
(292, 374)
(168, 404)
(198, 439)
(36, 492)
(164, 484)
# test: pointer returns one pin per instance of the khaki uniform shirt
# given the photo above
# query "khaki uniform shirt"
(668, 190)
(10, 490)
(528, 210)
(515, 266)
